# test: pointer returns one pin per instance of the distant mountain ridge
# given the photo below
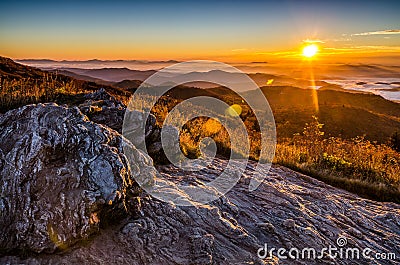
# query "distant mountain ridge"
(92, 61)
(21, 85)
(117, 75)
(113, 74)
(347, 114)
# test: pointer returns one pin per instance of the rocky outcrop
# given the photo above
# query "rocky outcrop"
(61, 177)
(289, 210)
(102, 108)
(64, 180)
(133, 131)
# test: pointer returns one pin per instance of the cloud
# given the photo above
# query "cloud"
(363, 50)
(239, 50)
(377, 48)
(379, 32)
(341, 39)
(313, 41)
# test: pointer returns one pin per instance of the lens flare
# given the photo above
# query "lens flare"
(234, 110)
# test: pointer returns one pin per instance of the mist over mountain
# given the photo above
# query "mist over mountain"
(348, 76)
(96, 63)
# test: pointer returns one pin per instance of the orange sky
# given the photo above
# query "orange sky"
(358, 32)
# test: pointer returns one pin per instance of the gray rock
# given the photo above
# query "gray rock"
(61, 177)
(102, 108)
(137, 129)
(282, 213)
(134, 122)
(100, 94)
(289, 223)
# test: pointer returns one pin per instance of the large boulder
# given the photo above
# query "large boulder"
(61, 177)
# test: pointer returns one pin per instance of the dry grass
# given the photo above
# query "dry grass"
(357, 165)
(18, 92)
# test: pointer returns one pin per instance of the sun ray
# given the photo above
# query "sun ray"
(309, 51)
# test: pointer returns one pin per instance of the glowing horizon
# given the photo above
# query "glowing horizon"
(223, 31)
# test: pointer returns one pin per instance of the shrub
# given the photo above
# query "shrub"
(395, 141)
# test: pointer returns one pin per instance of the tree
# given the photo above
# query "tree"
(395, 141)
(313, 130)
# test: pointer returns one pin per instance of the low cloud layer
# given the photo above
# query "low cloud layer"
(380, 32)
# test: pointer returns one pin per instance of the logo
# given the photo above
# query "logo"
(341, 252)
(225, 113)
(341, 241)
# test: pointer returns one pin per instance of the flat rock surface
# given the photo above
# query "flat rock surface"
(288, 210)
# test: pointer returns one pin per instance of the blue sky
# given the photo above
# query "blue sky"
(183, 29)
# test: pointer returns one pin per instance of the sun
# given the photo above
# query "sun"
(310, 50)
